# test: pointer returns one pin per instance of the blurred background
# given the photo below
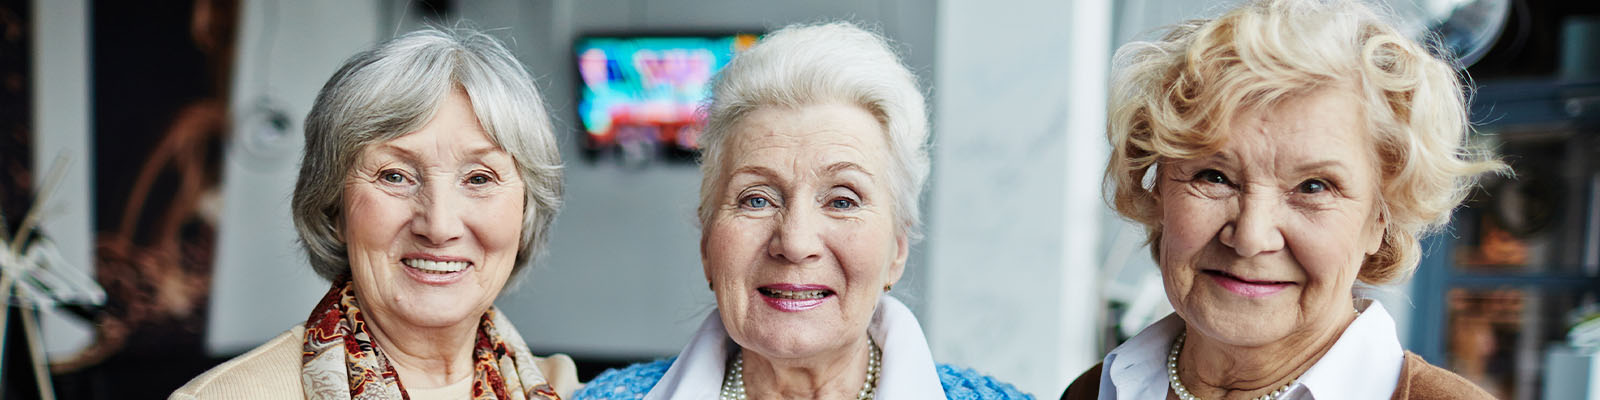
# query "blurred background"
(156, 144)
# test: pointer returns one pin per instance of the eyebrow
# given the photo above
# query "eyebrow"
(1320, 165)
(411, 156)
(753, 170)
(841, 166)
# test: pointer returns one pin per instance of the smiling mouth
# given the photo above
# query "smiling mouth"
(1222, 274)
(436, 267)
(794, 294)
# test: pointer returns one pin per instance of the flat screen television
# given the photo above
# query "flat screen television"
(641, 95)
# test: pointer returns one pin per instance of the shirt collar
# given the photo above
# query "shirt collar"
(1364, 363)
(908, 371)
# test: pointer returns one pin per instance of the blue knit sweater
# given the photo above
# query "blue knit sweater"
(633, 382)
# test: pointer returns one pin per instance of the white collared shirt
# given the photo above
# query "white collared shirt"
(1363, 364)
(908, 371)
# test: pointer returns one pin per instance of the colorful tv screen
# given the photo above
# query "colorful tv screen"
(643, 94)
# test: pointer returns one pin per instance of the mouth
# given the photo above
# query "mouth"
(790, 298)
(437, 267)
(1251, 288)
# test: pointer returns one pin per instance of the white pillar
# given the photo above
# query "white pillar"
(61, 115)
(1015, 198)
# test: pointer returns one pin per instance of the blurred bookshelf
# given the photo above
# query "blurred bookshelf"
(1501, 293)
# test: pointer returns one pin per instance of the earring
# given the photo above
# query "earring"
(710, 286)
(888, 286)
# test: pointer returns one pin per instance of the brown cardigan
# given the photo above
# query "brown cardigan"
(1418, 380)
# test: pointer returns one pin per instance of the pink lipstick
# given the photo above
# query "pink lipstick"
(1247, 288)
(793, 298)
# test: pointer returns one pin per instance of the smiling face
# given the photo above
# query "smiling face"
(432, 221)
(802, 238)
(1263, 240)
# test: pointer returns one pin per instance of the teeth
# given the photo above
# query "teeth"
(795, 295)
(437, 267)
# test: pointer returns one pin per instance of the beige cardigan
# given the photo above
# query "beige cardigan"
(272, 371)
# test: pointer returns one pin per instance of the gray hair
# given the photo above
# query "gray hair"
(394, 88)
(809, 64)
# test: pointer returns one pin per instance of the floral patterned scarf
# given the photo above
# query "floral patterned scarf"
(340, 361)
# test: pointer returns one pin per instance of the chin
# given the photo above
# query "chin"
(784, 341)
(1240, 327)
(430, 314)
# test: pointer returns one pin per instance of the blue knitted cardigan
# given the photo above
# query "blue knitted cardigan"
(633, 382)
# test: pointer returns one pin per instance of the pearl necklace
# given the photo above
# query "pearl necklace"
(1183, 393)
(733, 381)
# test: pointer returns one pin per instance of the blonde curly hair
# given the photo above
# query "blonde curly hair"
(1171, 99)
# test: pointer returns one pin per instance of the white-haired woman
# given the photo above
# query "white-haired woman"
(430, 178)
(1298, 147)
(814, 157)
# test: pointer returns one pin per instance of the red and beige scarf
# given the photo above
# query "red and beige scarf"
(340, 361)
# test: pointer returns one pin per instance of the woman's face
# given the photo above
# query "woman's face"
(432, 220)
(802, 238)
(1263, 240)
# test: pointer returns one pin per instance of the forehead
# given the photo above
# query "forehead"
(823, 132)
(453, 129)
(1327, 123)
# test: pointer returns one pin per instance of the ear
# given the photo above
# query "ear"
(704, 267)
(898, 267)
(1374, 233)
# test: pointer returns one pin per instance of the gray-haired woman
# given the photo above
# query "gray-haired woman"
(418, 153)
(815, 153)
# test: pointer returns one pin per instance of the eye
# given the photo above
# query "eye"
(1312, 186)
(392, 176)
(756, 202)
(1212, 176)
(842, 203)
(478, 179)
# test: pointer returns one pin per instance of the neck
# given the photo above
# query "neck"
(427, 357)
(1211, 369)
(837, 375)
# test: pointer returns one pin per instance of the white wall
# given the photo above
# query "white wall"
(262, 284)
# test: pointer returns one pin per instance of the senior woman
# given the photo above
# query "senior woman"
(1299, 147)
(813, 158)
(430, 178)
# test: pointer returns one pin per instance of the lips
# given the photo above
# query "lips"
(436, 267)
(794, 298)
(433, 269)
(1251, 288)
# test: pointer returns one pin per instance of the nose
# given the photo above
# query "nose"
(798, 237)
(1255, 227)
(437, 216)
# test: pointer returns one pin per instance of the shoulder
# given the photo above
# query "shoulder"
(271, 370)
(966, 384)
(560, 372)
(628, 383)
(1423, 381)
(1087, 386)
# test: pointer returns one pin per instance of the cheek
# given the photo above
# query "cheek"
(731, 248)
(371, 218)
(500, 220)
(1187, 225)
(1331, 250)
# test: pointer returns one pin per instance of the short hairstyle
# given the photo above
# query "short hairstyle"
(806, 64)
(1171, 99)
(393, 89)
